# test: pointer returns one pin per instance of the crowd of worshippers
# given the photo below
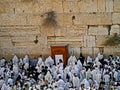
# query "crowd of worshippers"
(83, 73)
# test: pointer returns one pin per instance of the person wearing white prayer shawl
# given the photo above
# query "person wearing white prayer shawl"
(79, 65)
(69, 60)
(88, 74)
(38, 68)
(83, 71)
(15, 60)
(40, 60)
(86, 83)
(15, 71)
(98, 77)
(4, 86)
(60, 83)
(9, 87)
(95, 86)
(70, 76)
(26, 66)
(2, 62)
(1, 81)
(76, 81)
(49, 61)
(115, 75)
(26, 59)
(54, 72)
(20, 63)
(100, 56)
(48, 77)
(89, 59)
(106, 78)
(10, 81)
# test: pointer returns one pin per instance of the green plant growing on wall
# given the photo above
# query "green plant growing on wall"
(112, 41)
(50, 19)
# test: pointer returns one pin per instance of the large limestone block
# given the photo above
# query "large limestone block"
(69, 7)
(60, 31)
(64, 39)
(115, 29)
(109, 5)
(5, 42)
(116, 5)
(93, 19)
(116, 18)
(101, 6)
(89, 41)
(7, 8)
(77, 30)
(98, 30)
(100, 40)
(57, 7)
(47, 31)
(87, 5)
(88, 51)
(12, 19)
(21, 31)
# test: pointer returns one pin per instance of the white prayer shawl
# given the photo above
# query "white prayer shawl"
(39, 61)
(9, 88)
(2, 62)
(60, 83)
(79, 65)
(15, 69)
(100, 56)
(76, 82)
(89, 59)
(70, 75)
(86, 83)
(69, 60)
(4, 87)
(38, 68)
(15, 60)
(10, 81)
(83, 71)
(21, 62)
(26, 66)
(88, 74)
(74, 59)
(49, 61)
(115, 75)
(48, 77)
(106, 77)
(98, 78)
(26, 59)
(1, 82)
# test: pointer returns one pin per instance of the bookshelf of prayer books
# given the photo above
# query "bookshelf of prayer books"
(59, 52)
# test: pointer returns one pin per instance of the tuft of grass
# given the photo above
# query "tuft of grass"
(112, 41)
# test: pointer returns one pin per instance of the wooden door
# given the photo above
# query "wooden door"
(60, 50)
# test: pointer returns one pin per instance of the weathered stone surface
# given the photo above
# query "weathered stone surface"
(109, 5)
(115, 29)
(93, 19)
(100, 40)
(117, 6)
(70, 7)
(98, 30)
(57, 7)
(89, 41)
(101, 6)
(87, 5)
(116, 18)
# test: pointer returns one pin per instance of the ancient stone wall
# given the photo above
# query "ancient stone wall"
(83, 24)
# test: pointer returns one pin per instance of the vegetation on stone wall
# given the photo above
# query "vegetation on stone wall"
(112, 41)
(50, 19)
